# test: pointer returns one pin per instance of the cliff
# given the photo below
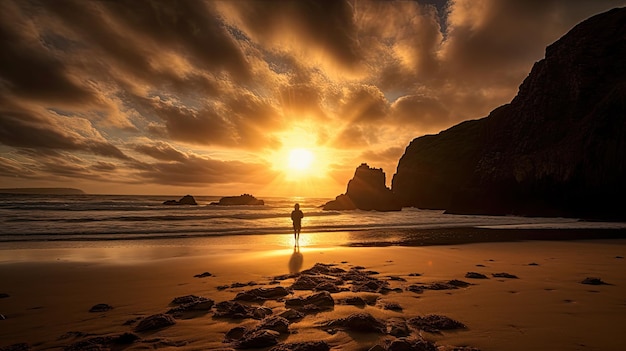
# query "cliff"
(556, 150)
(365, 191)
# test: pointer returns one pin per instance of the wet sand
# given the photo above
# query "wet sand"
(47, 290)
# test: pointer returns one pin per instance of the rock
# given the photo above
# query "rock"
(275, 323)
(234, 309)
(181, 300)
(318, 301)
(376, 348)
(304, 282)
(366, 191)
(303, 346)
(203, 275)
(258, 339)
(391, 306)
(101, 307)
(16, 347)
(373, 285)
(475, 275)
(102, 342)
(260, 294)
(360, 322)
(185, 200)
(328, 286)
(201, 305)
(241, 200)
(434, 323)
(555, 150)
(292, 315)
(354, 301)
(235, 334)
(397, 327)
(593, 281)
(504, 275)
(458, 283)
(156, 321)
(396, 278)
(2, 317)
(418, 289)
(4, 295)
(411, 345)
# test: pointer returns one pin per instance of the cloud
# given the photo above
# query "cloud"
(324, 30)
(22, 128)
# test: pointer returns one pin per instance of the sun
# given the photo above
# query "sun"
(300, 159)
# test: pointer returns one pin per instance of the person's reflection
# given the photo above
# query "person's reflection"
(295, 262)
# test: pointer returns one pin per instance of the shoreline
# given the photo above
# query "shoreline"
(51, 290)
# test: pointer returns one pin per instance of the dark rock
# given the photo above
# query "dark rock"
(475, 275)
(260, 294)
(235, 333)
(203, 275)
(126, 338)
(322, 268)
(360, 322)
(304, 282)
(396, 278)
(328, 286)
(533, 264)
(200, 305)
(366, 191)
(185, 200)
(102, 342)
(434, 323)
(2, 317)
(376, 348)
(181, 300)
(4, 295)
(373, 285)
(275, 323)
(292, 315)
(391, 306)
(593, 281)
(411, 345)
(156, 321)
(318, 301)
(555, 150)
(418, 289)
(415, 275)
(258, 339)
(303, 346)
(397, 327)
(234, 309)
(504, 275)
(222, 287)
(458, 283)
(101, 307)
(354, 301)
(16, 347)
(241, 200)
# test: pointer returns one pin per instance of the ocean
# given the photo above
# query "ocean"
(42, 218)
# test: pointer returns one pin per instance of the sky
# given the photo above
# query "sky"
(271, 98)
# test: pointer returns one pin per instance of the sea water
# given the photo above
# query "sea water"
(117, 217)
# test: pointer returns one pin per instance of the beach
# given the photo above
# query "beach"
(540, 303)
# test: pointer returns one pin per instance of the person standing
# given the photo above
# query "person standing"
(296, 217)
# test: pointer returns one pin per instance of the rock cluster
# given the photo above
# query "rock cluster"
(366, 191)
(241, 200)
(555, 150)
(185, 200)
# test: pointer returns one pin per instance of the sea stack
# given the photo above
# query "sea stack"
(365, 191)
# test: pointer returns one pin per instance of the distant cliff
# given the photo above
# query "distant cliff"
(42, 191)
(365, 191)
(558, 149)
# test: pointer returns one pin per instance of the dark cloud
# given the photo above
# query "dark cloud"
(308, 25)
(365, 103)
(27, 129)
(196, 170)
(161, 151)
(28, 68)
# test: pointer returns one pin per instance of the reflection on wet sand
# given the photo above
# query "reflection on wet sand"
(296, 260)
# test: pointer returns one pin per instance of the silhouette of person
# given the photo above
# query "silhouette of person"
(296, 217)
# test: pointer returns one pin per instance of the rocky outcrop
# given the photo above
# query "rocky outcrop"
(556, 150)
(243, 199)
(185, 200)
(366, 191)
